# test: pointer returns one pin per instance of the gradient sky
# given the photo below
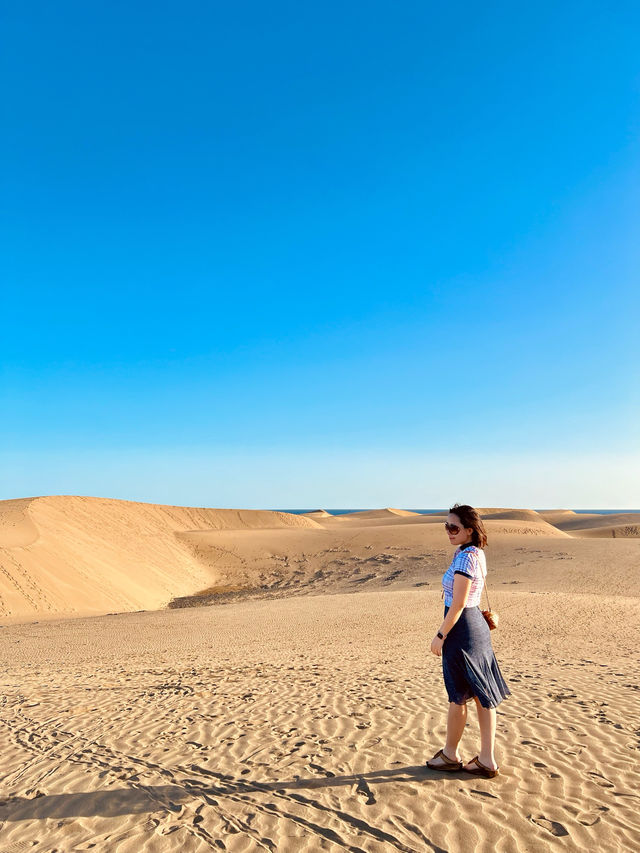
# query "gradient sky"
(337, 254)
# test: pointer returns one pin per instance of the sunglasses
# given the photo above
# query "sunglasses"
(452, 528)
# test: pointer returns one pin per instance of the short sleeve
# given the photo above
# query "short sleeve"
(467, 564)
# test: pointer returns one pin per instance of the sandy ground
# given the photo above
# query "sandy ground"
(297, 715)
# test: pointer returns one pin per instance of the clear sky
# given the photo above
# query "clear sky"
(335, 254)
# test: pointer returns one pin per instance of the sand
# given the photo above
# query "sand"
(65, 555)
(296, 713)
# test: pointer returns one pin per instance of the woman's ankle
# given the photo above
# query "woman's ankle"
(451, 753)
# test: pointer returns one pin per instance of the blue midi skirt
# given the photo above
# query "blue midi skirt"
(469, 665)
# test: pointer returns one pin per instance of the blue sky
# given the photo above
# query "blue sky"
(336, 254)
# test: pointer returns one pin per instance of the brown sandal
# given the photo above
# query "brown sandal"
(449, 766)
(480, 769)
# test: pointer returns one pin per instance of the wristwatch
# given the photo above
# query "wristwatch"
(440, 636)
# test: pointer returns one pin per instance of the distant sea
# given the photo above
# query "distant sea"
(439, 511)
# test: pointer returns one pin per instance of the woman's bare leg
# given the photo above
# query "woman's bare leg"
(456, 721)
(487, 723)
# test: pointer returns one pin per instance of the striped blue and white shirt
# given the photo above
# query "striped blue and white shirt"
(468, 560)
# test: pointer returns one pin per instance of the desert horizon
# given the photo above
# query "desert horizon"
(64, 555)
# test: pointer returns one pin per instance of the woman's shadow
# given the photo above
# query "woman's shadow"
(143, 799)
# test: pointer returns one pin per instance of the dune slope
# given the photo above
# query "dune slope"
(66, 555)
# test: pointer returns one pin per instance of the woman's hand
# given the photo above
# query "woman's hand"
(436, 646)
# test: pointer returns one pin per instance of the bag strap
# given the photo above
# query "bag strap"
(486, 590)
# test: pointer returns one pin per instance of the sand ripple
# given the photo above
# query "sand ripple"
(305, 726)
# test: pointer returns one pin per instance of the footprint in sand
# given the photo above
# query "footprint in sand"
(601, 780)
(362, 790)
(551, 826)
(533, 744)
(477, 793)
(34, 793)
(317, 768)
(578, 749)
(590, 818)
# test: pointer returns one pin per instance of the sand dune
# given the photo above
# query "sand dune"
(267, 564)
(388, 514)
(615, 531)
(557, 515)
(495, 526)
(513, 514)
(596, 525)
(275, 564)
(76, 555)
(593, 520)
(372, 518)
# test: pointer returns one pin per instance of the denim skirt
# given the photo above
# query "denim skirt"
(469, 665)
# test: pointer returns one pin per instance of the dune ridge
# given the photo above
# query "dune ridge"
(368, 514)
(587, 521)
(69, 555)
(17, 529)
(513, 514)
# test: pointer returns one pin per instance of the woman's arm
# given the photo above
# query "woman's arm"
(461, 589)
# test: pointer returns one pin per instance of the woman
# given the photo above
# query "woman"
(469, 666)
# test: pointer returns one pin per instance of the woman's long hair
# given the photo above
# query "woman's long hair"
(470, 517)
